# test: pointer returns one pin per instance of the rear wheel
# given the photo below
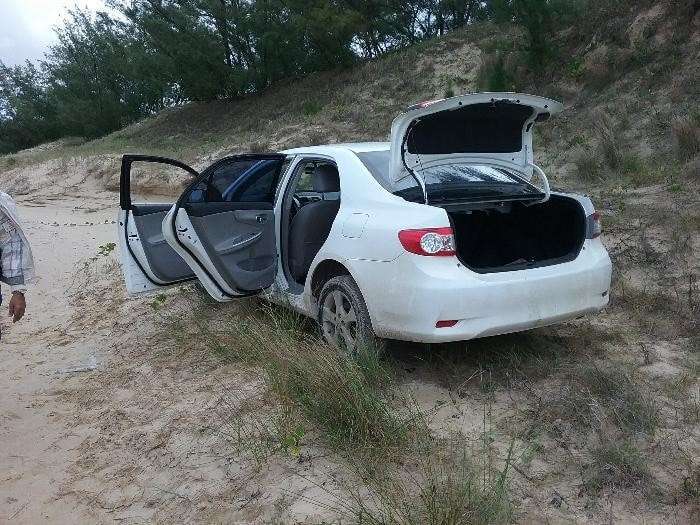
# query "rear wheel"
(343, 317)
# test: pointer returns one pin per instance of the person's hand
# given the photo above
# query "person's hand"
(17, 306)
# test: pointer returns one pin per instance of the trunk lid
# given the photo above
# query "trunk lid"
(481, 128)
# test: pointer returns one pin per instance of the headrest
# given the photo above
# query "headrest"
(325, 178)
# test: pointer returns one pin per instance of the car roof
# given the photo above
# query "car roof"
(355, 147)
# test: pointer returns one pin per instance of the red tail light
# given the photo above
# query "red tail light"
(594, 226)
(439, 242)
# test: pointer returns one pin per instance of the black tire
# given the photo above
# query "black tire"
(360, 325)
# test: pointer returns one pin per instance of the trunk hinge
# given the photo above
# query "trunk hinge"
(410, 171)
(545, 183)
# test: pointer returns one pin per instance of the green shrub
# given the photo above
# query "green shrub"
(493, 75)
(575, 68)
(540, 19)
(311, 108)
(690, 488)
(633, 165)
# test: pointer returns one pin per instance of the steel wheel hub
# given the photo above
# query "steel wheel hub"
(339, 321)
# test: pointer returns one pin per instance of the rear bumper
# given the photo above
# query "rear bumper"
(408, 296)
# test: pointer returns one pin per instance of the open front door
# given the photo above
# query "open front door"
(147, 261)
(223, 225)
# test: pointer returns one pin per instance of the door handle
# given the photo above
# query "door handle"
(252, 216)
(227, 246)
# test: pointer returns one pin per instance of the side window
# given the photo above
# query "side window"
(239, 180)
(259, 187)
(305, 182)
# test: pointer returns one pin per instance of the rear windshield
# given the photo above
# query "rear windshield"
(450, 183)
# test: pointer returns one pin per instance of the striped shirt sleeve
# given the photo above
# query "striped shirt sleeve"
(11, 247)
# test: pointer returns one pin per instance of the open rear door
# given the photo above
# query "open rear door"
(147, 261)
(223, 225)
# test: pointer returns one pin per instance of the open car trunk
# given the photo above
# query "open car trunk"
(514, 236)
(492, 129)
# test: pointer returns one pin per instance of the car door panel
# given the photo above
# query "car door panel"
(241, 244)
(230, 245)
(162, 260)
(147, 260)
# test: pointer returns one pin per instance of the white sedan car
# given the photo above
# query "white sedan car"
(448, 232)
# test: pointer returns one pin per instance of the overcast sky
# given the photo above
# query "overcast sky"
(26, 26)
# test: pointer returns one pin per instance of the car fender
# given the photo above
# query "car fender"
(350, 267)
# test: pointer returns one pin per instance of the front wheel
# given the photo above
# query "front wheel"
(343, 317)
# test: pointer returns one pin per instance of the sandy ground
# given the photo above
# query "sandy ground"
(36, 356)
(98, 423)
(102, 422)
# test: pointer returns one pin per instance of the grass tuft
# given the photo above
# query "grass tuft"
(442, 491)
(590, 396)
(587, 165)
(311, 108)
(336, 393)
(494, 75)
(686, 135)
(617, 466)
(347, 398)
(628, 403)
(610, 140)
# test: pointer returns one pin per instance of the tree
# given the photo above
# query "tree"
(27, 116)
(101, 76)
(539, 18)
(108, 71)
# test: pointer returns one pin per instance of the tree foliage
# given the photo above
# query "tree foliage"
(107, 70)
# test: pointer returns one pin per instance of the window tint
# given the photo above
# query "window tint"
(239, 180)
(304, 175)
(448, 182)
(305, 182)
(377, 162)
(471, 182)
